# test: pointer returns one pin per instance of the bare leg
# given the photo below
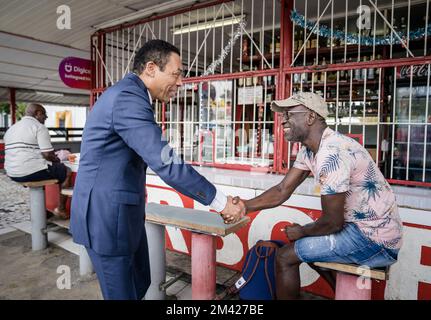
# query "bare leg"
(287, 273)
(61, 210)
(328, 275)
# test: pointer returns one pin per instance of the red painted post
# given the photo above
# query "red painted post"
(352, 287)
(203, 266)
(12, 102)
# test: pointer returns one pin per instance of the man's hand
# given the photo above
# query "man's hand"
(50, 156)
(233, 211)
(294, 232)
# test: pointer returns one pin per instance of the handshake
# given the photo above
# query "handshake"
(235, 209)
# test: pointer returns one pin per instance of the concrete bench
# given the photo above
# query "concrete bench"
(354, 282)
(205, 226)
(85, 264)
(39, 237)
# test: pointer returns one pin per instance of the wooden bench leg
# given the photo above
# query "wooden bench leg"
(39, 238)
(157, 254)
(349, 288)
(203, 266)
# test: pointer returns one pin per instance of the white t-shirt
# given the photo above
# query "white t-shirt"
(24, 142)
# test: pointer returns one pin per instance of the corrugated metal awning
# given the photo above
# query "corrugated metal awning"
(32, 47)
(25, 95)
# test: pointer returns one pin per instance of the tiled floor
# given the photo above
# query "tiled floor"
(14, 200)
(15, 215)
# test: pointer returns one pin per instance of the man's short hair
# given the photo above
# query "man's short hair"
(157, 51)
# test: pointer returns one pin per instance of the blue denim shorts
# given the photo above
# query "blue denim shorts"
(349, 245)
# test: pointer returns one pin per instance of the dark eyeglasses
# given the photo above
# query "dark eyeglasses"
(287, 114)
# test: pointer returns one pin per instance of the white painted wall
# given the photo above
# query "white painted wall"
(79, 115)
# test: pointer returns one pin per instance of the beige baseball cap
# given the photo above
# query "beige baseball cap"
(310, 100)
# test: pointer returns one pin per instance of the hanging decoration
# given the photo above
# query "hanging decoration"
(214, 65)
(353, 38)
(226, 50)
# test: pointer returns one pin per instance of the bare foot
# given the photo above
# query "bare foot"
(62, 214)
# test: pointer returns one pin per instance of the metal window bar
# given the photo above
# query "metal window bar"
(410, 120)
(174, 121)
(262, 34)
(222, 41)
(408, 29)
(197, 42)
(378, 117)
(273, 33)
(393, 123)
(233, 144)
(304, 47)
(392, 30)
(359, 38)
(252, 35)
(318, 29)
(188, 44)
(232, 35)
(374, 31)
(426, 29)
(332, 34)
(427, 125)
(345, 31)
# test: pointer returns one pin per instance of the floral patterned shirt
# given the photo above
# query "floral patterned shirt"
(343, 165)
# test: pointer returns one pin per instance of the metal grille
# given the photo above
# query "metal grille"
(240, 55)
(212, 120)
(376, 93)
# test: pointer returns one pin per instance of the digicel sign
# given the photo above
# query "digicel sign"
(75, 72)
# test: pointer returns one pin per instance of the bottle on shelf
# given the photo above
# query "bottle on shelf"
(300, 39)
(335, 41)
(357, 74)
(313, 43)
(245, 47)
(370, 73)
(342, 75)
(315, 74)
(364, 70)
(329, 42)
(322, 74)
(255, 78)
(377, 71)
(249, 82)
(403, 25)
(277, 44)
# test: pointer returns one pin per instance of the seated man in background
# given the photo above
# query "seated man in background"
(359, 224)
(29, 155)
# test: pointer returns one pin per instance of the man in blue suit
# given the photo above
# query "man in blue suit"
(120, 140)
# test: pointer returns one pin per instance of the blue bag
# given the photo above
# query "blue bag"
(257, 281)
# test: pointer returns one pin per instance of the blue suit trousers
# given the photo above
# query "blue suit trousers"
(123, 277)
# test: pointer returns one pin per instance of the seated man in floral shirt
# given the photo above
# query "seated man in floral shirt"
(360, 223)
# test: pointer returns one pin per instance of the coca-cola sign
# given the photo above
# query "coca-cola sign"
(404, 72)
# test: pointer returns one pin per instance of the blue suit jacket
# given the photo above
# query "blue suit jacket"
(120, 139)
